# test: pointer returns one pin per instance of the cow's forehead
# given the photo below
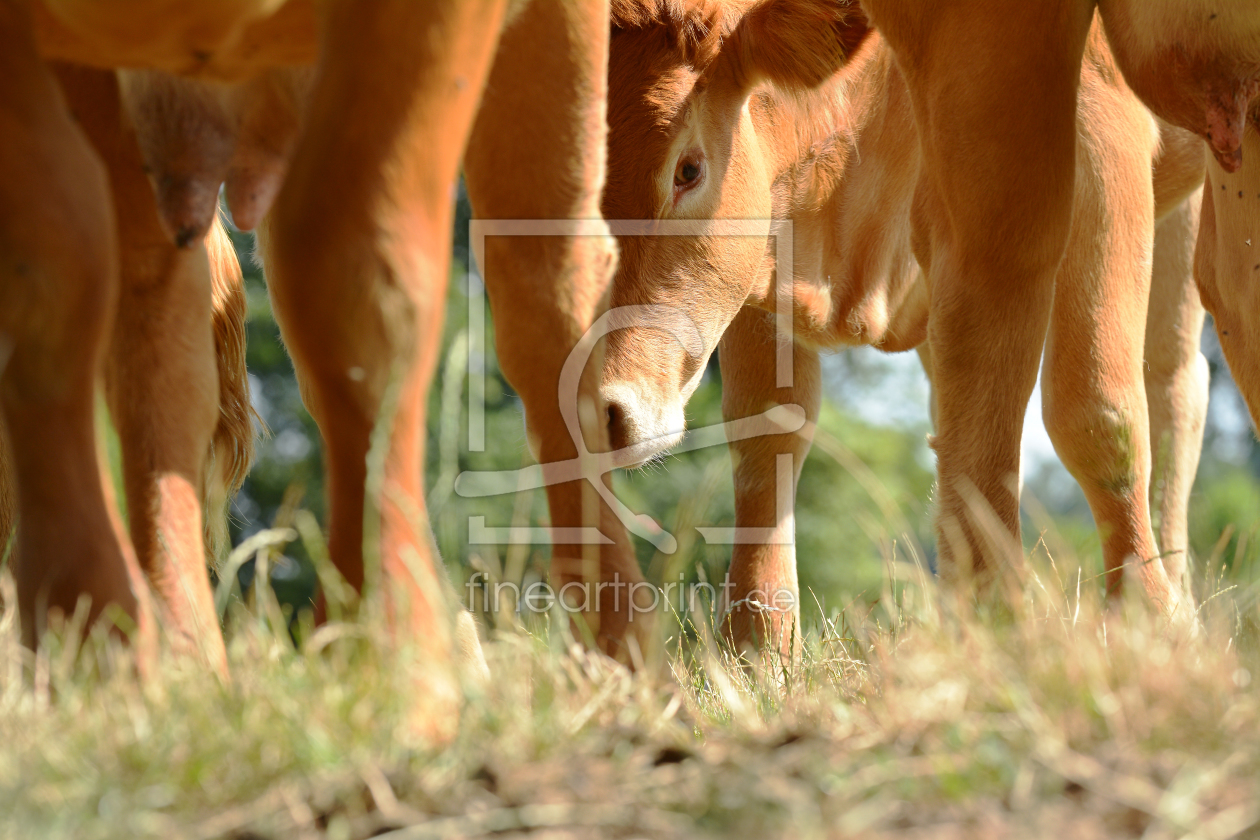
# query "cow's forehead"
(649, 90)
(653, 98)
(693, 27)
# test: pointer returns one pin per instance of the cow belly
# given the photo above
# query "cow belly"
(1195, 63)
(226, 39)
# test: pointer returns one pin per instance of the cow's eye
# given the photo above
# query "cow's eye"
(688, 171)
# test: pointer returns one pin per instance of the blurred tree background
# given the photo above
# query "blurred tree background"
(864, 499)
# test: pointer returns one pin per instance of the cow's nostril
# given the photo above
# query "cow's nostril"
(616, 426)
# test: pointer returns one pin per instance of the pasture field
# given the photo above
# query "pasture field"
(911, 723)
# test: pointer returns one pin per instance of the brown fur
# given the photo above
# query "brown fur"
(390, 183)
(1196, 63)
(1225, 265)
(693, 30)
(537, 151)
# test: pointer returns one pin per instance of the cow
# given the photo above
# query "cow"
(178, 454)
(992, 90)
(92, 290)
(540, 314)
(356, 247)
(784, 111)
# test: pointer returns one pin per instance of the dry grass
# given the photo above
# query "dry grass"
(1069, 723)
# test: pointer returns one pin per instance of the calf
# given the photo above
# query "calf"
(718, 114)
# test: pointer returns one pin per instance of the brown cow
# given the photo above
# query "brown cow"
(394, 95)
(713, 117)
(364, 346)
(180, 311)
(993, 89)
(544, 290)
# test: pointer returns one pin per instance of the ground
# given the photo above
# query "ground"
(922, 721)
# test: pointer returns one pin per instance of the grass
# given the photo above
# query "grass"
(924, 722)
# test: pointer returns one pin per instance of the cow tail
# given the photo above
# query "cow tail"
(232, 447)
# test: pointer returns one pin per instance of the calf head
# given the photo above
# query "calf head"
(691, 186)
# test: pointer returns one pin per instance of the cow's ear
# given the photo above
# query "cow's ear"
(794, 43)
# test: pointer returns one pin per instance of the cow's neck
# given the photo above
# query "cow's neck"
(848, 192)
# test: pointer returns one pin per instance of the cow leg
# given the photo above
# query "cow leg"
(58, 284)
(161, 377)
(537, 152)
(995, 106)
(1176, 384)
(761, 595)
(1093, 385)
(1227, 268)
(358, 250)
